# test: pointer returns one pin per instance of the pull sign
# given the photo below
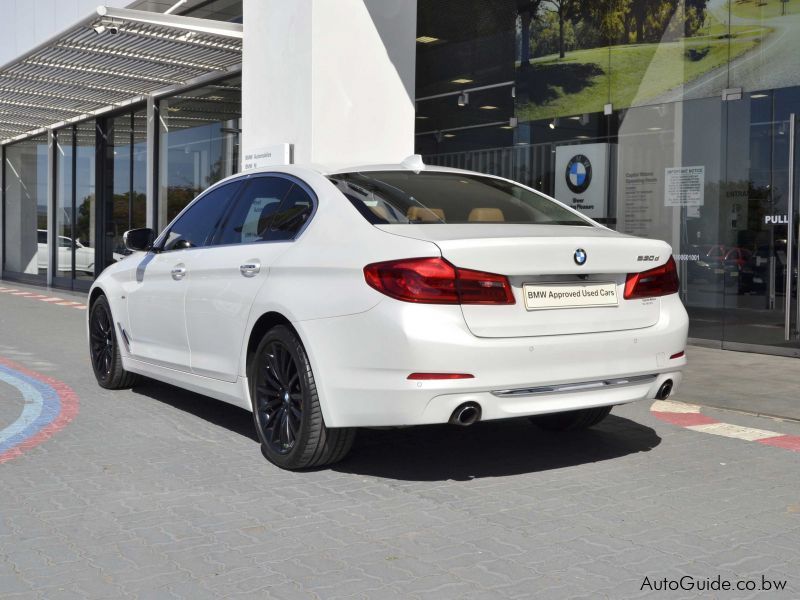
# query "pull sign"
(776, 219)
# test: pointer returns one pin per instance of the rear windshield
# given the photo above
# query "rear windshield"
(391, 197)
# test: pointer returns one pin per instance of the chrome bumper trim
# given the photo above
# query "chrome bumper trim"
(582, 386)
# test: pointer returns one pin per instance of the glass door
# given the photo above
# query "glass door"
(75, 206)
(121, 180)
(758, 255)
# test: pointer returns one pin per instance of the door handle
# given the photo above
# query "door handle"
(178, 272)
(250, 269)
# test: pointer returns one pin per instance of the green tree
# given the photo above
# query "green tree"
(566, 10)
(527, 11)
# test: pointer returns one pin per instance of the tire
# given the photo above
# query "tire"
(104, 349)
(286, 408)
(571, 420)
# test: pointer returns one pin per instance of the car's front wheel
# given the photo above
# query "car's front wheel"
(286, 407)
(104, 349)
(571, 420)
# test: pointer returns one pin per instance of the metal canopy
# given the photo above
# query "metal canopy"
(112, 58)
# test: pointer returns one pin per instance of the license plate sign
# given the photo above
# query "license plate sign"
(544, 296)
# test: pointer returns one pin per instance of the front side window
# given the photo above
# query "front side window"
(194, 228)
(392, 197)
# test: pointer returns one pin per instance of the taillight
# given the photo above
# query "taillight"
(659, 281)
(436, 281)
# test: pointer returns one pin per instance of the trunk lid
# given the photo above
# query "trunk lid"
(541, 259)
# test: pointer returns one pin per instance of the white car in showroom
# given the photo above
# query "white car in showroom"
(389, 296)
(84, 257)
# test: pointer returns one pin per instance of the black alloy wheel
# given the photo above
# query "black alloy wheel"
(286, 408)
(103, 342)
(279, 398)
(104, 348)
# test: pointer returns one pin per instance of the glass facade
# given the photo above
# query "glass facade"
(666, 119)
(25, 246)
(199, 143)
(75, 206)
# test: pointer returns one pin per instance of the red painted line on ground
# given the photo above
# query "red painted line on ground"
(691, 419)
(69, 408)
(787, 442)
(684, 419)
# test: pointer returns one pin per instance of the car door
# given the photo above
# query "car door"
(223, 287)
(156, 299)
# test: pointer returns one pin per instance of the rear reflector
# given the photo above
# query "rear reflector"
(436, 281)
(677, 355)
(424, 376)
(660, 281)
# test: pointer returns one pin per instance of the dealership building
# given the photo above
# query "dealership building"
(668, 119)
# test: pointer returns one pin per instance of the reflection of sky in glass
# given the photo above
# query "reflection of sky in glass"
(199, 142)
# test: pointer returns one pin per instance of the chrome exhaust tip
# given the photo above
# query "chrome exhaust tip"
(665, 390)
(466, 414)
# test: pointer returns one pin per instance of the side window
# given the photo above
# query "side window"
(41, 236)
(292, 215)
(252, 216)
(194, 228)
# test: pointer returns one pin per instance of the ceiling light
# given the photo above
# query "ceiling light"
(420, 117)
(449, 135)
(582, 137)
(554, 123)
(427, 39)
(461, 80)
(170, 10)
(488, 107)
(506, 127)
(654, 128)
(463, 99)
(757, 96)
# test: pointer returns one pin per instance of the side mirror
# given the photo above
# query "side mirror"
(139, 239)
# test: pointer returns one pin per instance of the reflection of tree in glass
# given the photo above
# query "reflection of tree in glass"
(563, 25)
(83, 221)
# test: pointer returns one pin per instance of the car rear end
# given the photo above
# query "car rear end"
(529, 308)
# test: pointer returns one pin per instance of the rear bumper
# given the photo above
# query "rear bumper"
(361, 363)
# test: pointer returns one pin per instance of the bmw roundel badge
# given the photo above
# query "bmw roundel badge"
(580, 257)
(579, 174)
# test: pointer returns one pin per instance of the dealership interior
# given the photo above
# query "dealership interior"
(681, 129)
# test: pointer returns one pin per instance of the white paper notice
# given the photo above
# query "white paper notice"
(684, 186)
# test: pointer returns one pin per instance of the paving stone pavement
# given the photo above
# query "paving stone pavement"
(160, 493)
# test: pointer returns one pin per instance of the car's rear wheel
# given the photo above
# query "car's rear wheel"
(286, 407)
(571, 420)
(104, 349)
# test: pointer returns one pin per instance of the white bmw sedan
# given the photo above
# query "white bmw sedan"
(389, 296)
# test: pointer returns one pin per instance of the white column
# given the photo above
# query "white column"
(334, 79)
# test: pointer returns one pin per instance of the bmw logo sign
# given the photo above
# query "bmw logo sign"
(579, 174)
(580, 257)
